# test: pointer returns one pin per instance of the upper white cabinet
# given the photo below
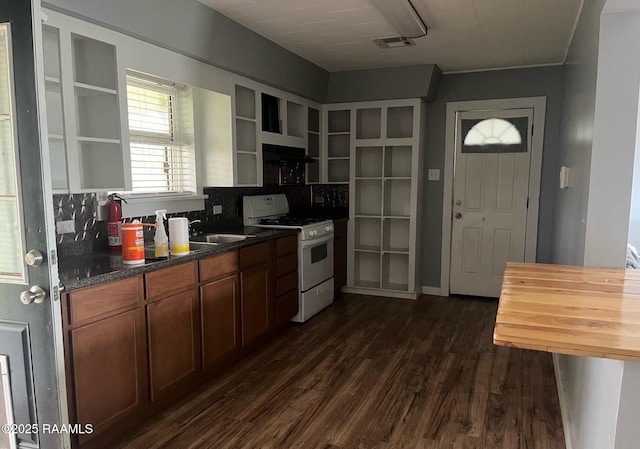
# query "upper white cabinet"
(248, 151)
(83, 97)
(55, 113)
(263, 115)
(337, 143)
(313, 145)
(376, 148)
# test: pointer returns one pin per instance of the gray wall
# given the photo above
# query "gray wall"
(544, 81)
(599, 125)
(190, 28)
(418, 81)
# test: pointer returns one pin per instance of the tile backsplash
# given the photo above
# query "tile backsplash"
(91, 234)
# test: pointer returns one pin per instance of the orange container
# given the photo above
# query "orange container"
(132, 243)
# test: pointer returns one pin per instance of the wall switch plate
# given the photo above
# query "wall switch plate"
(433, 174)
(217, 209)
(66, 227)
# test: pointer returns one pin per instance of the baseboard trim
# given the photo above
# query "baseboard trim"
(564, 411)
(377, 292)
(433, 291)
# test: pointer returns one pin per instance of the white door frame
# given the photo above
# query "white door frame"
(535, 168)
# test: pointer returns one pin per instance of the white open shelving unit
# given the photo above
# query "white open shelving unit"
(83, 113)
(380, 144)
(247, 148)
(313, 145)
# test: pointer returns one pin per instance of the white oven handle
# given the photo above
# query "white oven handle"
(316, 241)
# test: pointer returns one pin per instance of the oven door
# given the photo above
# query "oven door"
(316, 261)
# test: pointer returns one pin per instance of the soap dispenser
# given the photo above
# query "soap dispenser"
(161, 240)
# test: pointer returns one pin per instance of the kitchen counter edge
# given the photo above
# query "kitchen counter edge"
(127, 271)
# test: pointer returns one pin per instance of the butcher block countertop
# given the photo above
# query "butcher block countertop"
(584, 311)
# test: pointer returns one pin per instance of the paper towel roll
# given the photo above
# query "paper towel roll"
(179, 236)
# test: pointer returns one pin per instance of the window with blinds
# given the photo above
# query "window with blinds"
(160, 159)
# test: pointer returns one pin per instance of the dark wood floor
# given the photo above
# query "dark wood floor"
(375, 373)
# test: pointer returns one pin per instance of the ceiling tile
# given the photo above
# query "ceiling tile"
(463, 34)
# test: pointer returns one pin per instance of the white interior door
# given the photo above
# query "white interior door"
(490, 196)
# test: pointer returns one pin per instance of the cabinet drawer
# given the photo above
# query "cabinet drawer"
(286, 283)
(254, 255)
(286, 307)
(286, 245)
(169, 280)
(218, 266)
(95, 301)
(286, 264)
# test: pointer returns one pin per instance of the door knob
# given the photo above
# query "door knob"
(34, 258)
(458, 216)
(34, 294)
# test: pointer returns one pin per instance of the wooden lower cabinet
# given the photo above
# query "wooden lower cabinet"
(109, 372)
(256, 302)
(174, 346)
(220, 321)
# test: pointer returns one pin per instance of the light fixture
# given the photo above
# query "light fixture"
(402, 15)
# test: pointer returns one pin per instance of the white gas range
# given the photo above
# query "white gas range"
(315, 249)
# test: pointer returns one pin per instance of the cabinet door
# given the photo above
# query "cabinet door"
(174, 347)
(109, 370)
(220, 320)
(256, 302)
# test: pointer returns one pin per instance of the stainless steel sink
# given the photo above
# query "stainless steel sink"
(198, 246)
(221, 238)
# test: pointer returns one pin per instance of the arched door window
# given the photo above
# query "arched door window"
(495, 135)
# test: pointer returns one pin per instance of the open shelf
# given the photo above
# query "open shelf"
(339, 121)
(338, 145)
(88, 90)
(313, 120)
(97, 116)
(338, 170)
(101, 165)
(245, 135)
(368, 162)
(245, 102)
(247, 164)
(400, 122)
(397, 197)
(51, 43)
(368, 197)
(368, 123)
(313, 144)
(367, 269)
(397, 161)
(395, 271)
(94, 62)
(296, 125)
(367, 234)
(396, 234)
(55, 122)
(58, 160)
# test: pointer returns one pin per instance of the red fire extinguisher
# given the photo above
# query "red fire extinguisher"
(114, 222)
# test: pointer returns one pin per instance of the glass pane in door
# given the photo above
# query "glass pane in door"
(11, 238)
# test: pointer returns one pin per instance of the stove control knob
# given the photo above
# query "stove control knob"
(313, 233)
(328, 228)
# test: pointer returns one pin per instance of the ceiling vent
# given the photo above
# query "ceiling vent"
(393, 42)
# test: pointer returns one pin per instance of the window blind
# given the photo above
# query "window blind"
(160, 159)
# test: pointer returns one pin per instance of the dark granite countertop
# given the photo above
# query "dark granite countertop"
(97, 267)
